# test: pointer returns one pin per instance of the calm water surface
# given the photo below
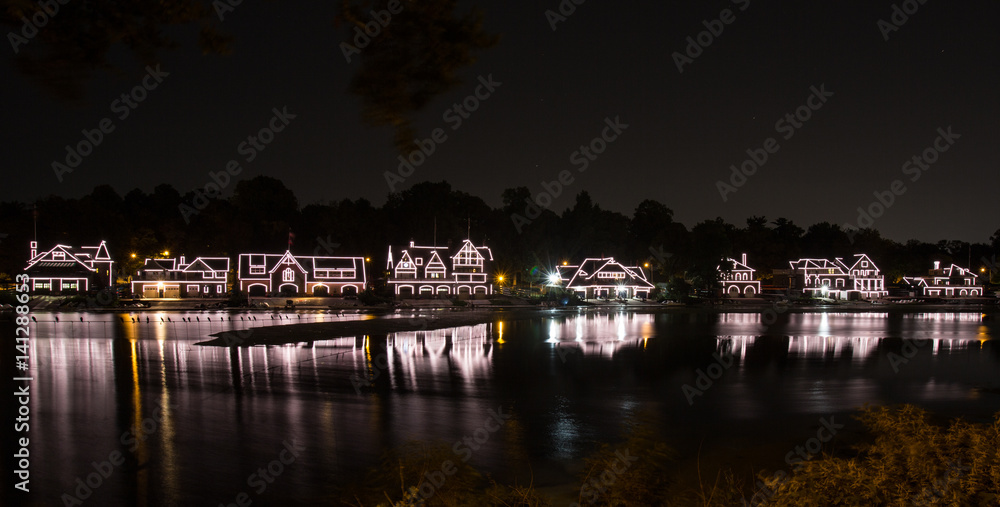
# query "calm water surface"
(195, 424)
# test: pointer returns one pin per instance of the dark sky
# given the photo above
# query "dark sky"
(606, 60)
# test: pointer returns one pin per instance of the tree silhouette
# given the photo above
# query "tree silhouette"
(414, 58)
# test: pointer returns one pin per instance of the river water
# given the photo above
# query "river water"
(169, 422)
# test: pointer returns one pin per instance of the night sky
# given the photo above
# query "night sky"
(605, 60)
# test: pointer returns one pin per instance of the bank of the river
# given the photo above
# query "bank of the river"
(384, 324)
(388, 321)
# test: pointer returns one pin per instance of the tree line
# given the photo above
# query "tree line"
(262, 215)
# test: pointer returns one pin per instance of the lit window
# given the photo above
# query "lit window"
(288, 275)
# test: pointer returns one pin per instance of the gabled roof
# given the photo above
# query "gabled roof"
(804, 264)
(737, 265)
(216, 263)
(207, 264)
(863, 257)
(280, 261)
(404, 257)
(482, 251)
(71, 257)
(961, 271)
(98, 253)
(161, 264)
(587, 273)
(434, 258)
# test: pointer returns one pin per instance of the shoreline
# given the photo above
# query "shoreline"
(377, 324)
(380, 321)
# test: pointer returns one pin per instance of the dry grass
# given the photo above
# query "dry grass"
(909, 462)
(906, 461)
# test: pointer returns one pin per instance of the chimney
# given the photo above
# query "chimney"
(937, 265)
(34, 249)
(180, 263)
(744, 259)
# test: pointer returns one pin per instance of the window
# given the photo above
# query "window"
(611, 275)
(468, 257)
(256, 270)
(58, 256)
(419, 261)
(288, 275)
(864, 264)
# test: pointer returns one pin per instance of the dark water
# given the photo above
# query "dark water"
(194, 425)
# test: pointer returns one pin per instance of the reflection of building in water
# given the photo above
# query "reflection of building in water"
(463, 352)
(735, 346)
(835, 347)
(599, 333)
(947, 317)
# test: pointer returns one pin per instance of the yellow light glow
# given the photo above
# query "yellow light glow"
(133, 256)
(565, 263)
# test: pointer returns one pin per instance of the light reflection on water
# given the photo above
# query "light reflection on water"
(571, 378)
